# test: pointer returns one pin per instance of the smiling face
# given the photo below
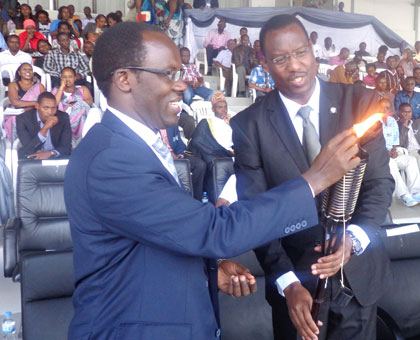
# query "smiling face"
(26, 72)
(295, 78)
(156, 105)
(25, 10)
(371, 71)
(100, 22)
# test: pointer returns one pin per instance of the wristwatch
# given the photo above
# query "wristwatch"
(356, 247)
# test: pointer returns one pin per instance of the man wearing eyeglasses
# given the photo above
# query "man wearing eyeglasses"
(276, 140)
(144, 249)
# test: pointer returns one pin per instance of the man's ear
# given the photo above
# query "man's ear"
(121, 79)
(37, 106)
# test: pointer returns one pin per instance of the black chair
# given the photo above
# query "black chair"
(400, 306)
(247, 318)
(222, 169)
(38, 251)
(184, 174)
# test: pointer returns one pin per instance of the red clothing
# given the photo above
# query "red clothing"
(33, 42)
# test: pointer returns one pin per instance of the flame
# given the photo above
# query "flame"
(362, 127)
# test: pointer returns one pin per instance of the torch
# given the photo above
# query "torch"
(338, 206)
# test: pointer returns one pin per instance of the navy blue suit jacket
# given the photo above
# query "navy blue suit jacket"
(140, 241)
(175, 140)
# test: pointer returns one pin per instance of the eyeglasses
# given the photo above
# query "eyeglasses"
(173, 75)
(284, 58)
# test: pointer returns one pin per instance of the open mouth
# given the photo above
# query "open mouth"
(176, 106)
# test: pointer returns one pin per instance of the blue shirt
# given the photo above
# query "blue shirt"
(403, 97)
(47, 143)
(261, 78)
(54, 25)
(3, 45)
(391, 133)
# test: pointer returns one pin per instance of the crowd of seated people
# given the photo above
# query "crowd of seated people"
(63, 49)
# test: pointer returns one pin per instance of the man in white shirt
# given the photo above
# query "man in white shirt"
(224, 61)
(316, 48)
(13, 55)
(327, 51)
(212, 137)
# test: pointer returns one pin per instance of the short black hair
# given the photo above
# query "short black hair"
(371, 65)
(61, 34)
(184, 49)
(42, 41)
(69, 69)
(404, 105)
(114, 17)
(100, 16)
(383, 48)
(409, 78)
(12, 36)
(278, 22)
(45, 95)
(121, 45)
(42, 12)
(389, 58)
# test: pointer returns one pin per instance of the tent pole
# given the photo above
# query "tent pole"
(352, 6)
(416, 20)
(290, 3)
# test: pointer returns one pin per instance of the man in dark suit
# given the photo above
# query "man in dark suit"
(44, 131)
(268, 139)
(197, 165)
(140, 241)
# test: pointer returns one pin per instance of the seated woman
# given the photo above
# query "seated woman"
(29, 39)
(43, 48)
(43, 22)
(75, 100)
(92, 30)
(74, 42)
(23, 94)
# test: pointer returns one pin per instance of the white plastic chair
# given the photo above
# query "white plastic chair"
(324, 68)
(202, 109)
(253, 93)
(221, 79)
(201, 59)
(235, 81)
(45, 77)
(10, 70)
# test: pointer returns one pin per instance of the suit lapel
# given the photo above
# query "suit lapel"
(280, 119)
(329, 113)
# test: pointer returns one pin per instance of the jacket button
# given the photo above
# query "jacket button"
(298, 226)
(287, 230)
(218, 333)
(292, 228)
(304, 224)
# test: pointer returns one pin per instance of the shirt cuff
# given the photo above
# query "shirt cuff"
(41, 137)
(57, 154)
(285, 280)
(360, 234)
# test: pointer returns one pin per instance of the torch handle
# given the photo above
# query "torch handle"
(319, 294)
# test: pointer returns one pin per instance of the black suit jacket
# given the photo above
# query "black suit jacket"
(404, 132)
(27, 130)
(268, 152)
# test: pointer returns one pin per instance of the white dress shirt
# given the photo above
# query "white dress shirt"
(6, 57)
(144, 132)
(224, 57)
(292, 108)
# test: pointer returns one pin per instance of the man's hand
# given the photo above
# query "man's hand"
(41, 155)
(333, 162)
(51, 122)
(329, 265)
(221, 201)
(299, 303)
(234, 279)
(393, 153)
